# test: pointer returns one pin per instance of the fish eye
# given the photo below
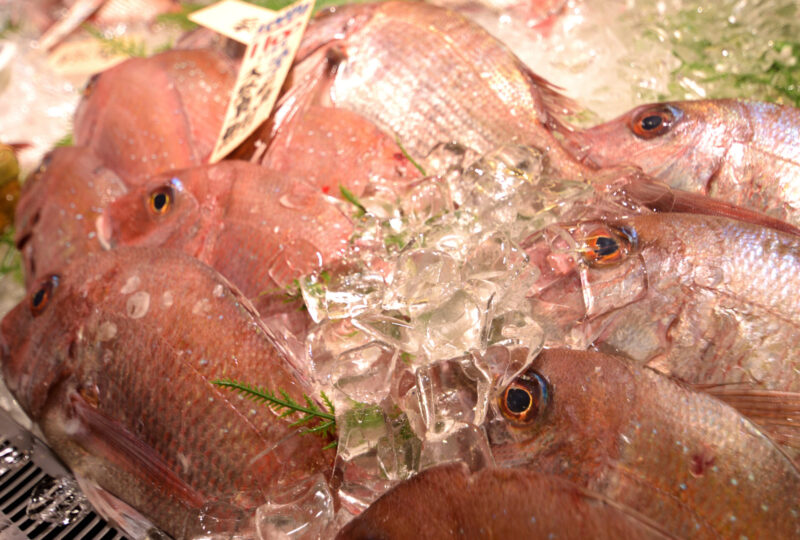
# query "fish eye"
(523, 401)
(160, 199)
(603, 247)
(41, 297)
(653, 121)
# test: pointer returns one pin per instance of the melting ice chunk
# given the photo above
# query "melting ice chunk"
(300, 512)
(57, 500)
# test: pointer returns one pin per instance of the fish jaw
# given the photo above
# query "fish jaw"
(29, 374)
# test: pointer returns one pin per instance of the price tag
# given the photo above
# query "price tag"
(232, 18)
(83, 57)
(264, 68)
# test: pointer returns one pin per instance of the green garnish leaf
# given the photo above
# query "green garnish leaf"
(283, 403)
(349, 197)
(409, 158)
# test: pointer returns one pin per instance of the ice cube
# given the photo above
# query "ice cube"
(399, 451)
(390, 327)
(342, 294)
(423, 279)
(57, 500)
(326, 342)
(424, 200)
(451, 329)
(448, 395)
(301, 511)
(364, 374)
(467, 444)
(498, 176)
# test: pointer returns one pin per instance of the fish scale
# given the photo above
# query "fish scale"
(495, 503)
(472, 91)
(126, 390)
(716, 301)
(680, 457)
(259, 228)
(148, 115)
(742, 152)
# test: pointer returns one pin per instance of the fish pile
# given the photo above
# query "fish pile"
(517, 327)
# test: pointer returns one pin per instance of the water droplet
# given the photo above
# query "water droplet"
(131, 285)
(138, 305)
(201, 306)
(107, 329)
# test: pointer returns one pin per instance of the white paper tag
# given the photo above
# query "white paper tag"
(232, 18)
(264, 68)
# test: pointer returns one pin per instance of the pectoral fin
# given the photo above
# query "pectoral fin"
(777, 413)
(107, 438)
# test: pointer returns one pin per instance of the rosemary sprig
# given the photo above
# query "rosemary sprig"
(351, 198)
(409, 158)
(283, 403)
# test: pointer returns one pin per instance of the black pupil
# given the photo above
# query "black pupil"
(605, 246)
(38, 298)
(517, 400)
(159, 201)
(651, 122)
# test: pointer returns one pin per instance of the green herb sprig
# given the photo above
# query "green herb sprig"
(409, 158)
(325, 420)
(350, 197)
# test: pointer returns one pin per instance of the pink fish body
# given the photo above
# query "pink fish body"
(148, 115)
(707, 299)
(426, 76)
(681, 458)
(742, 152)
(259, 228)
(60, 203)
(494, 503)
(114, 356)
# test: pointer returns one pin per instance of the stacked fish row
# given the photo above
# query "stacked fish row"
(449, 235)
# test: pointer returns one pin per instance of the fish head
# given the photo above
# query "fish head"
(588, 269)
(164, 110)
(58, 206)
(36, 337)
(156, 214)
(334, 24)
(681, 143)
(562, 415)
